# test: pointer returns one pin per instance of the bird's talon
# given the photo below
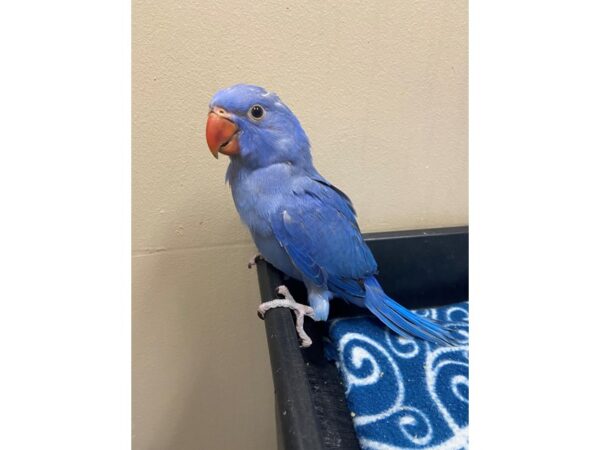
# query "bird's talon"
(285, 292)
(254, 259)
(299, 309)
(306, 343)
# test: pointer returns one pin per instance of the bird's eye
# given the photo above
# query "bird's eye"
(256, 112)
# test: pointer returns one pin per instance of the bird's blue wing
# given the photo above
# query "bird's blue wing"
(318, 230)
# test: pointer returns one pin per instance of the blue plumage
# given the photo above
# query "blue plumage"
(301, 223)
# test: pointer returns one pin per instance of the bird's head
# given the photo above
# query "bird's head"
(253, 126)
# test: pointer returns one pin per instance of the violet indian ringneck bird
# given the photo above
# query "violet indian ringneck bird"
(301, 223)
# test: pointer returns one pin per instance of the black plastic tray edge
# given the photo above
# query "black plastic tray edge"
(297, 424)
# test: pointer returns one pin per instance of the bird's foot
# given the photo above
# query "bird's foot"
(299, 309)
(253, 260)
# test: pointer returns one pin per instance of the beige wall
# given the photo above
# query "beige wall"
(381, 89)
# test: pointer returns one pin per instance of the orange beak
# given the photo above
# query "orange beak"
(221, 133)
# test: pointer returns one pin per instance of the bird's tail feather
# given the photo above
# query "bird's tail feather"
(403, 321)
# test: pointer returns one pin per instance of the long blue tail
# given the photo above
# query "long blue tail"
(403, 321)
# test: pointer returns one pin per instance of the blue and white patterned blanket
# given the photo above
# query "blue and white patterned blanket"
(404, 393)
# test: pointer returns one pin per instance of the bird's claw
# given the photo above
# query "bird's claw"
(299, 309)
(253, 260)
(285, 292)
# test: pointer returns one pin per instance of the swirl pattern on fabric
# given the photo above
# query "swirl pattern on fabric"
(405, 393)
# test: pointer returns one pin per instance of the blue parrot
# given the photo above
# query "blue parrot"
(300, 222)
